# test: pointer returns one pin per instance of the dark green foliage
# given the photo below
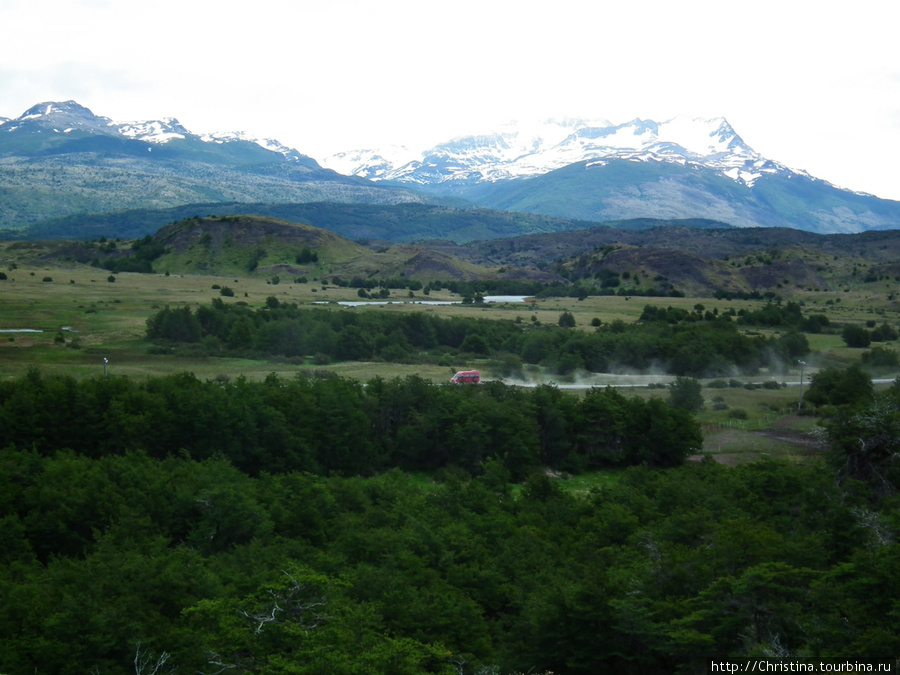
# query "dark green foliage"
(255, 259)
(686, 393)
(880, 357)
(566, 320)
(175, 325)
(334, 425)
(792, 346)
(814, 323)
(307, 256)
(695, 348)
(110, 554)
(856, 336)
(835, 386)
(776, 315)
(865, 441)
(884, 333)
(143, 252)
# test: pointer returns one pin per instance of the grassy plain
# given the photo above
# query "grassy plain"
(84, 317)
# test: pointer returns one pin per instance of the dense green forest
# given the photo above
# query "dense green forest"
(334, 426)
(167, 524)
(683, 343)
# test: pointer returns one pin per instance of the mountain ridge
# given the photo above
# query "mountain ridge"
(517, 153)
(61, 159)
(681, 168)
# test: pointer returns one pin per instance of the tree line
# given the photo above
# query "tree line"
(336, 426)
(688, 348)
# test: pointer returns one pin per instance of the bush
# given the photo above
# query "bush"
(884, 333)
(226, 291)
(833, 386)
(737, 413)
(567, 320)
(856, 336)
(685, 394)
(881, 357)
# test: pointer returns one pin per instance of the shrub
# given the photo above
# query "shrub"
(881, 357)
(685, 394)
(833, 386)
(884, 333)
(856, 336)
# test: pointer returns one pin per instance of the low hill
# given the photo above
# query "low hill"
(247, 243)
(258, 245)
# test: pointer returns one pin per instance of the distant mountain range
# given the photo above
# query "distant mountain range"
(524, 152)
(60, 160)
(682, 168)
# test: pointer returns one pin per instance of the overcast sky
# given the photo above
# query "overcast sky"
(814, 85)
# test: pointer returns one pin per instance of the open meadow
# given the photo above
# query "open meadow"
(69, 318)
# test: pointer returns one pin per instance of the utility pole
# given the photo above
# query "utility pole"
(800, 402)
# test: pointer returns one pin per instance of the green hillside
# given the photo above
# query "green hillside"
(633, 189)
(248, 243)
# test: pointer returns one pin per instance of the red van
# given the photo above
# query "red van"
(466, 377)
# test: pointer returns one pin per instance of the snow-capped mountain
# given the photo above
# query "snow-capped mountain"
(71, 117)
(520, 151)
(594, 170)
(59, 159)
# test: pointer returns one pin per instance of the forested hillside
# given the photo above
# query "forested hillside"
(217, 526)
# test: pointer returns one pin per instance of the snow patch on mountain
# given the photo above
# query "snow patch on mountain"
(153, 131)
(266, 143)
(519, 150)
